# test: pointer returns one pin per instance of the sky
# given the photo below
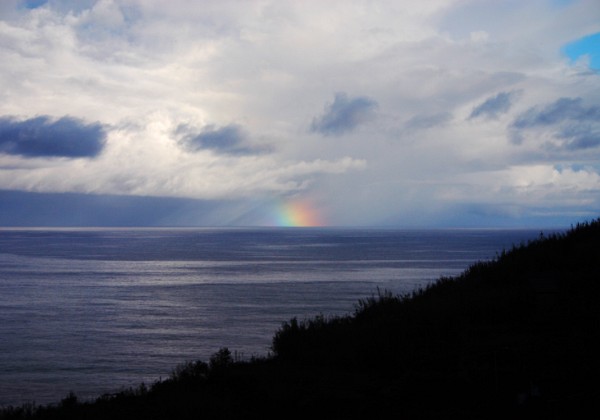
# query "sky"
(428, 113)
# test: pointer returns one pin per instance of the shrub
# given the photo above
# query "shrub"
(221, 359)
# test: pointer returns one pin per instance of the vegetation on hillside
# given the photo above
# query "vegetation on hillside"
(514, 337)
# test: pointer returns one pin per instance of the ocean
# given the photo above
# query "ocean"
(94, 311)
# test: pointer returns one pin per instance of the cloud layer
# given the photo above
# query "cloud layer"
(377, 112)
(41, 136)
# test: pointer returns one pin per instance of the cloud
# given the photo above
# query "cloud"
(18, 208)
(494, 106)
(230, 139)
(344, 115)
(142, 159)
(570, 124)
(580, 136)
(423, 122)
(561, 110)
(427, 95)
(45, 137)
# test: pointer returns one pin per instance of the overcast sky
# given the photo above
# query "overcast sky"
(405, 113)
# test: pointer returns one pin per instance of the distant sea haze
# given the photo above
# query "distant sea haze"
(95, 310)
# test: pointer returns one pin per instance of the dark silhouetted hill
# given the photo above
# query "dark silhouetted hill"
(516, 337)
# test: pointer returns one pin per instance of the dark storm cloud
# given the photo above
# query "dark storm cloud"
(20, 208)
(580, 136)
(44, 137)
(576, 126)
(564, 109)
(344, 114)
(494, 106)
(230, 139)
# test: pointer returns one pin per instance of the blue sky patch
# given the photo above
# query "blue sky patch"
(34, 4)
(586, 46)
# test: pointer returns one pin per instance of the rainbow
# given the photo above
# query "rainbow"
(297, 214)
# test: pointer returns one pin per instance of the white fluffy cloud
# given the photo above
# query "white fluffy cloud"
(435, 103)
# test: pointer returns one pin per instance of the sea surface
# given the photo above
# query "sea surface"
(94, 311)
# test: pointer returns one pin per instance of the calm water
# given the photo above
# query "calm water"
(92, 311)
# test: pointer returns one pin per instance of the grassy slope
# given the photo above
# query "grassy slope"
(515, 337)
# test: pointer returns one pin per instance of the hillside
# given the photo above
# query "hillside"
(517, 337)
